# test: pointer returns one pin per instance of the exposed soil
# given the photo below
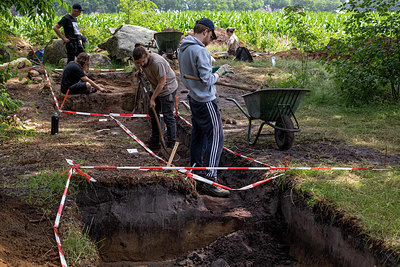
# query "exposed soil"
(26, 239)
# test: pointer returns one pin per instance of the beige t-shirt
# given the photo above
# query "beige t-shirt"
(157, 68)
(233, 40)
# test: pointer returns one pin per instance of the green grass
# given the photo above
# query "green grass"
(78, 248)
(372, 197)
(46, 188)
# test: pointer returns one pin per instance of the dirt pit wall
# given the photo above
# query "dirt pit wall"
(120, 96)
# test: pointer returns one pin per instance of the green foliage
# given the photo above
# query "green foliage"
(304, 38)
(78, 248)
(43, 8)
(7, 104)
(368, 64)
(46, 188)
(137, 11)
(258, 29)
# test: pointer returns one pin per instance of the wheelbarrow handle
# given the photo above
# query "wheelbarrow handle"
(221, 83)
(240, 107)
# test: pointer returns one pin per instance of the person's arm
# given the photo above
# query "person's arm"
(92, 83)
(230, 47)
(160, 85)
(204, 68)
(56, 28)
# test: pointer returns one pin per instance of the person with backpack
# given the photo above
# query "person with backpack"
(72, 38)
(207, 134)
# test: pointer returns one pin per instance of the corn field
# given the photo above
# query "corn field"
(257, 29)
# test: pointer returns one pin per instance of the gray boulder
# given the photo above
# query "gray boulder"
(121, 44)
(54, 51)
(100, 61)
(4, 55)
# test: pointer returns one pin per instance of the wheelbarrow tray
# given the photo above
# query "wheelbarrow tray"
(264, 104)
(168, 42)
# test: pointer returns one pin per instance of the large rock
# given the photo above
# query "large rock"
(4, 55)
(121, 44)
(100, 61)
(54, 51)
(19, 62)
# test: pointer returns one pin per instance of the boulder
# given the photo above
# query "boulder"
(100, 61)
(4, 55)
(121, 44)
(54, 51)
(20, 63)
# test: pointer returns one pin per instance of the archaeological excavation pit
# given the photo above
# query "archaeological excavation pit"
(158, 219)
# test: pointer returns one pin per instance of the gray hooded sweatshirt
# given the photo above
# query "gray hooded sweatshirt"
(195, 60)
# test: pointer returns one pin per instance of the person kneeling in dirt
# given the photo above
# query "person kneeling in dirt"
(164, 86)
(233, 41)
(207, 133)
(74, 78)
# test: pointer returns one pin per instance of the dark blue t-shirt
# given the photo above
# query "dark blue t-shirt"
(71, 29)
(71, 75)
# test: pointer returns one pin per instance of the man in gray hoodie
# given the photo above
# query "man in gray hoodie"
(207, 133)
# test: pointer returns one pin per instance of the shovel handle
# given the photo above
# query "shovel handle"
(222, 83)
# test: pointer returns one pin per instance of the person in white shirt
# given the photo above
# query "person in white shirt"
(233, 41)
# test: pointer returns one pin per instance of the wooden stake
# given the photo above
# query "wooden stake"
(172, 154)
(65, 97)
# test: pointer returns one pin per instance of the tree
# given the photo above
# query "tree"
(44, 8)
(277, 4)
(326, 5)
(368, 65)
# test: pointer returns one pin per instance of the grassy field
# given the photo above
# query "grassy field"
(371, 197)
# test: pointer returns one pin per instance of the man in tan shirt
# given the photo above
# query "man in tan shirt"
(164, 86)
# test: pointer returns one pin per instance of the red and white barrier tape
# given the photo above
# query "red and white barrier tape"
(106, 115)
(62, 258)
(61, 207)
(186, 171)
(51, 89)
(92, 69)
(137, 140)
(57, 222)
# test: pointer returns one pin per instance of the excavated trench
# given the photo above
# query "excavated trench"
(164, 223)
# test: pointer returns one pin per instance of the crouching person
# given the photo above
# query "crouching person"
(75, 79)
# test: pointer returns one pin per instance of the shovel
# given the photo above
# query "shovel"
(164, 151)
(222, 83)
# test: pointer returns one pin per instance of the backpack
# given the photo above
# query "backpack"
(242, 53)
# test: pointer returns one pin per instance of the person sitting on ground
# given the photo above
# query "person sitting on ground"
(74, 78)
(164, 86)
(233, 41)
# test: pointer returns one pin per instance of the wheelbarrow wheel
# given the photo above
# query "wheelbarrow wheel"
(284, 139)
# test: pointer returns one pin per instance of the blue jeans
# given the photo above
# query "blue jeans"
(207, 135)
(164, 105)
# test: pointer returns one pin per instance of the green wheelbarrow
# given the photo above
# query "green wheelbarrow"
(167, 42)
(274, 105)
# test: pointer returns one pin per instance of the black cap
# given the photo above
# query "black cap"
(209, 24)
(78, 7)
